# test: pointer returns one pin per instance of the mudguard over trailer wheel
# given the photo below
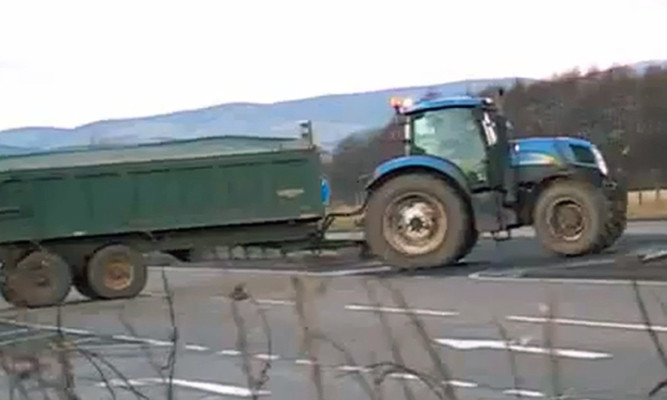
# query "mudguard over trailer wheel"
(572, 218)
(417, 221)
(40, 279)
(116, 272)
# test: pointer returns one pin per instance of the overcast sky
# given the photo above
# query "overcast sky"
(68, 62)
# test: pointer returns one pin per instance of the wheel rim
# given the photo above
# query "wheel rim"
(415, 223)
(118, 273)
(566, 220)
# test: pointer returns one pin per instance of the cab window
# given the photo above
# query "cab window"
(453, 134)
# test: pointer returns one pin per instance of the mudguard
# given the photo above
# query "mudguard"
(400, 164)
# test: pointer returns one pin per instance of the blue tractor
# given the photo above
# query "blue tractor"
(461, 175)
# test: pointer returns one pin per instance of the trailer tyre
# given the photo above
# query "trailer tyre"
(40, 279)
(571, 218)
(417, 221)
(116, 272)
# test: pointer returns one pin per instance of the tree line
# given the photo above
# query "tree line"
(621, 110)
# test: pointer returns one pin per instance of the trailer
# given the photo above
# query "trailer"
(84, 217)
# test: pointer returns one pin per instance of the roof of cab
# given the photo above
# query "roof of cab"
(444, 102)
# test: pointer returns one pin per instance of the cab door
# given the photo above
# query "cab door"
(458, 135)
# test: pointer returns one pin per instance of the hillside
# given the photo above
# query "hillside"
(333, 116)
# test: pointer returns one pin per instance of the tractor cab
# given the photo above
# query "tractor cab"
(470, 132)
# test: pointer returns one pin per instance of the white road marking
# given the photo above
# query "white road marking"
(271, 302)
(592, 324)
(34, 336)
(417, 311)
(455, 383)
(14, 332)
(152, 342)
(302, 361)
(229, 353)
(217, 388)
(46, 327)
(196, 347)
(336, 273)
(479, 277)
(524, 393)
(471, 344)
(266, 357)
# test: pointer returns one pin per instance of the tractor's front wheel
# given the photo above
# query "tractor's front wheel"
(417, 221)
(571, 218)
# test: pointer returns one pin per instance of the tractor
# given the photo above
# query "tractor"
(462, 174)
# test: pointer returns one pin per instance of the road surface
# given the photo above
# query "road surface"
(573, 327)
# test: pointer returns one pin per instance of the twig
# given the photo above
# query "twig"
(549, 340)
(646, 319)
(512, 359)
(349, 360)
(306, 328)
(171, 360)
(263, 378)
(389, 368)
(391, 341)
(242, 344)
(440, 367)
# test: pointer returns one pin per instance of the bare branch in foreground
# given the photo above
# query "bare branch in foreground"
(307, 328)
(389, 337)
(512, 359)
(441, 368)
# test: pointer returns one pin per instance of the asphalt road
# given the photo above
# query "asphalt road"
(596, 346)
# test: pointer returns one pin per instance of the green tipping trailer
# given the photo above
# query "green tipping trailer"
(84, 217)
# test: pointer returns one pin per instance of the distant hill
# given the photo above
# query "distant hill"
(333, 116)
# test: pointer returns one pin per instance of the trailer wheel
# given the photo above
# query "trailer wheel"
(417, 220)
(116, 272)
(40, 279)
(82, 286)
(570, 218)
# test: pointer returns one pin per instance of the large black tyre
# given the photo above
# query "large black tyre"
(116, 272)
(40, 279)
(571, 218)
(617, 204)
(471, 241)
(82, 286)
(439, 213)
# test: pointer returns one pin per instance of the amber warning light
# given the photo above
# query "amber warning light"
(400, 104)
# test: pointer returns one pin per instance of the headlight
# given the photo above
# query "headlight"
(599, 160)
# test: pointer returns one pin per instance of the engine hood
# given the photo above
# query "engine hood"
(551, 151)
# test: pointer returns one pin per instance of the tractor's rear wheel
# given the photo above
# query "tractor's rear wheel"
(417, 221)
(571, 218)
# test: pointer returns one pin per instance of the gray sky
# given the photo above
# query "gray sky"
(69, 62)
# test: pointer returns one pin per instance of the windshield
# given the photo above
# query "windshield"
(453, 134)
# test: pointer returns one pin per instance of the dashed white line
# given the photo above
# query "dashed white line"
(152, 342)
(46, 327)
(524, 393)
(478, 276)
(585, 323)
(266, 357)
(196, 347)
(336, 273)
(455, 383)
(229, 353)
(471, 344)
(416, 311)
(271, 302)
(217, 388)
